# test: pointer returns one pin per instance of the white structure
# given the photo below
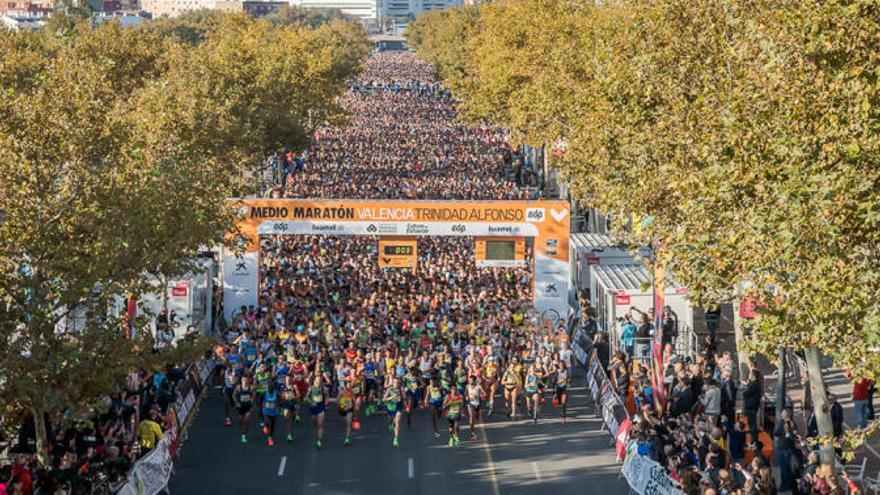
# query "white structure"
(16, 23)
(619, 287)
(589, 250)
(398, 9)
(173, 8)
(362, 9)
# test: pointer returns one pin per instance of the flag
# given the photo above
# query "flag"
(657, 365)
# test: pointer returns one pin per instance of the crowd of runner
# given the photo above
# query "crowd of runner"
(403, 140)
(336, 334)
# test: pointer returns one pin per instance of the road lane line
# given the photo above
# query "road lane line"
(488, 450)
(537, 471)
(282, 465)
(411, 468)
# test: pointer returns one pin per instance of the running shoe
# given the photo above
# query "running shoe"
(290, 437)
(271, 442)
(347, 441)
(265, 429)
(262, 424)
(457, 441)
(390, 426)
(555, 402)
(436, 434)
(297, 418)
(451, 441)
(356, 424)
(396, 443)
(473, 436)
(318, 443)
(244, 439)
(564, 420)
(228, 422)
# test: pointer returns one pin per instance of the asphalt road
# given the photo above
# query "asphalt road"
(508, 457)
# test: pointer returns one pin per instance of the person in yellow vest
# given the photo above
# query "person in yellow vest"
(149, 432)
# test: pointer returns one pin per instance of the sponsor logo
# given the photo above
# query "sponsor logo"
(325, 228)
(550, 290)
(558, 215)
(535, 215)
(458, 228)
(416, 228)
(550, 314)
(279, 227)
(372, 228)
(387, 228)
(507, 229)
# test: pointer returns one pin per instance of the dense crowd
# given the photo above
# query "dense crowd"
(702, 441)
(96, 455)
(403, 140)
(333, 329)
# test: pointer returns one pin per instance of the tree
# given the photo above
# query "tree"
(742, 134)
(119, 150)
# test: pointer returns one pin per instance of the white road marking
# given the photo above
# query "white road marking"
(282, 465)
(411, 468)
(537, 471)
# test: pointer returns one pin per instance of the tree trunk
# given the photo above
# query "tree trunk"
(820, 404)
(739, 335)
(41, 436)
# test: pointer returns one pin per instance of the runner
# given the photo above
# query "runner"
(434, 397)
(270, 412)
(393, 400)
(289, 399)
(532, 393)
(346, 407)
(453, 405)
(563, 380)
(317, 405)
(511, 383)
(474, 400)
(230, 380)
(244, 396)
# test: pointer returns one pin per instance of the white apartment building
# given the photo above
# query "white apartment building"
(362, 9)
(173, 8)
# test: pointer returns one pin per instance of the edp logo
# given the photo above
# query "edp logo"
(535, 214)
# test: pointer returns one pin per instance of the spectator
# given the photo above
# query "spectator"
(752, 403)
(149, 432)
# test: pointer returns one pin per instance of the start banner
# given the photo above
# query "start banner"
(546, 222)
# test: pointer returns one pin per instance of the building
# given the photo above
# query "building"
(25, 8)
(361, 9)
(173, 8)
(124, 19)
(395, 10)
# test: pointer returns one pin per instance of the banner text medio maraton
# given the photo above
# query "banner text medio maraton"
(424, 214)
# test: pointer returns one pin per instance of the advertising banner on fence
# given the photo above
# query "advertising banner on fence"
(152, 472)
(646, 477)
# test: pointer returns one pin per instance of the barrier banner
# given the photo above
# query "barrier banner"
(579, 352)
(623, 438)
(646, 477)
(152, 472)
